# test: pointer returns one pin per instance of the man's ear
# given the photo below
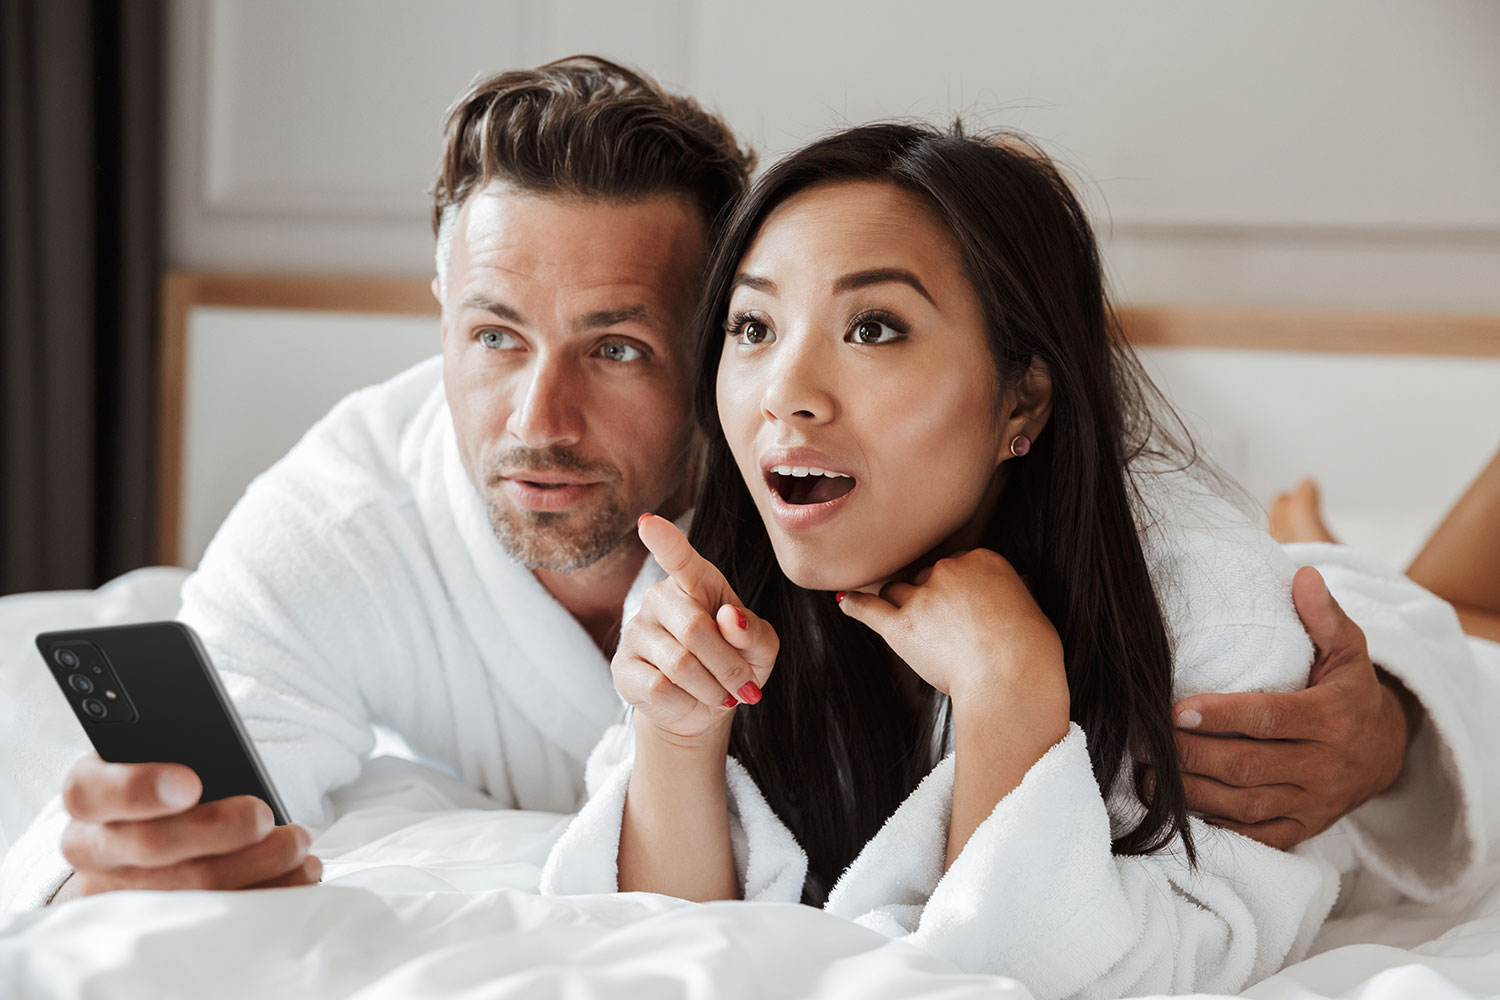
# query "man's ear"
(1030, 405)
(437, 293)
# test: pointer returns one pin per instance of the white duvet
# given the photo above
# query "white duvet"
(424, 901)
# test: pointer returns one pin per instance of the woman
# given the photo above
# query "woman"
(937, 517)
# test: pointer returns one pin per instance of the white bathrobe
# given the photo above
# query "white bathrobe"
(1036, 894)
(357, 582)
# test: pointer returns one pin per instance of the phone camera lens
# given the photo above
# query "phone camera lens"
(80, 683)
(95, 707)
(66, 658)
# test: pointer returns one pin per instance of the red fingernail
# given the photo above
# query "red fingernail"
(839, 597)
(642, 519)
(740, 617)
(729, 702)
(750, 694)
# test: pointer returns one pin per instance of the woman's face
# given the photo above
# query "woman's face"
(856, 388)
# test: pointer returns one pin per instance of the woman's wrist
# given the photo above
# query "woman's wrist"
(712, 745)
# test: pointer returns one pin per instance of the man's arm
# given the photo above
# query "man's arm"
(1302, 760)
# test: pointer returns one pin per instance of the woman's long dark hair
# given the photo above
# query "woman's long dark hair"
(834, 745)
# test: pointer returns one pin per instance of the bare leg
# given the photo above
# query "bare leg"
(1298, 516)
(1461, 561)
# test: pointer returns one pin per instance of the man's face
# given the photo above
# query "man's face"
(565, 362)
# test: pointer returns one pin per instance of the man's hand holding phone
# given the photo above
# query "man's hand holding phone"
(140, 826)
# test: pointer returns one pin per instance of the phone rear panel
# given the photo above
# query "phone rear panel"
(147, 693)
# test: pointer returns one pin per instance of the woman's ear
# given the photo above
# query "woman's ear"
(1030, 406)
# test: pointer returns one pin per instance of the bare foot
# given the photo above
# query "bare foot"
(1298, 516)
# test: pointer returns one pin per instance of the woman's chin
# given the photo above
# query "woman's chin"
(821, 578)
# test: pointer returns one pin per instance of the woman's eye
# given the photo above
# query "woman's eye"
(753, 331)
(617, 350)
(498, 340)
(871, 332)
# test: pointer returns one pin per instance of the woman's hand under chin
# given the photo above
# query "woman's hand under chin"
(970, 628)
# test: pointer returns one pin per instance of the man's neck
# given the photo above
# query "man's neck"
(595, 596)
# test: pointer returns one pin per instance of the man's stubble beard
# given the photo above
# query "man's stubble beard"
(544, 540)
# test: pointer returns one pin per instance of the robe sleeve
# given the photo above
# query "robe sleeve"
(1426, 833)
(768, 862)
(286, 602)
(1037, 895)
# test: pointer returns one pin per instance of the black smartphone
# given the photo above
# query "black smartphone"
(148, 693)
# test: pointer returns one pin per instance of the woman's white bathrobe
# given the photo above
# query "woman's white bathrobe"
(358, 581)
(1036, 894)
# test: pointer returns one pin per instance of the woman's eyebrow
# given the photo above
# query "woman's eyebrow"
(753, 281)
(879, 276)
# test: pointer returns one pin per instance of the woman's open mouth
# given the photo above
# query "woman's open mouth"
(800, 484)
(802, 496)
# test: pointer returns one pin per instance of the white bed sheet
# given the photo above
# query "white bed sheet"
(422, 903)
(429, 892)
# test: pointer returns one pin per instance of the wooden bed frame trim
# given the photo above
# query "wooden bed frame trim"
(1242, 328)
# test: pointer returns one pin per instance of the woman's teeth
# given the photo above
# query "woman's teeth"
(808, 484)
(807, 470)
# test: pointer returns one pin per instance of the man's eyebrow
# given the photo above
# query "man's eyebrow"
(604, 318)
(500, 309)
(878, 276)
(753, 281)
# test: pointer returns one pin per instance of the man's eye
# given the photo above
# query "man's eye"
(871, 332)
(616, 350)
(498, 340)
(752, 331)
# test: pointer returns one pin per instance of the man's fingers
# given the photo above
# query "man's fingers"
(1277, 715)
(697, 577)
(1243, 763)
(1242, 805)
(97, 791)
(310, 872)
(1338, 640)
(1282, 834)
(283, 851)
(219, 827)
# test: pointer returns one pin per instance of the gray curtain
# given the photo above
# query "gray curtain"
(81, 108)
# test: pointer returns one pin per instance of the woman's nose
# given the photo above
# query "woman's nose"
(799, 389)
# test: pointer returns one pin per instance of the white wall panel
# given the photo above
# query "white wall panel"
(257, 379)
(1334, 152)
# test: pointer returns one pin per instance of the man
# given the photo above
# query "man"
(449, 554)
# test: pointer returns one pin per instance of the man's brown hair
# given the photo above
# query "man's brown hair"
(587, 126)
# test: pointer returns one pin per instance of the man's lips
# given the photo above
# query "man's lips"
(547, 491)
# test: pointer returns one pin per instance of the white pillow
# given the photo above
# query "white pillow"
(39, 737)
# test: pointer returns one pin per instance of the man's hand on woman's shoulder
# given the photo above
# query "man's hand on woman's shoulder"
(1304, 759)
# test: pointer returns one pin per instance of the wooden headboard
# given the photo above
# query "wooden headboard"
(1183, 330)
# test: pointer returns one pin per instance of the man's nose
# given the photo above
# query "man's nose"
(799, 390)
(546, 410)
